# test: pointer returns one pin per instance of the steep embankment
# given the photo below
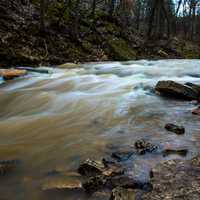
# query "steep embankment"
(22, 44)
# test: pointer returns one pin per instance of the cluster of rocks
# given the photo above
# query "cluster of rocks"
(109, 174)
(187, 91)
(110, 177)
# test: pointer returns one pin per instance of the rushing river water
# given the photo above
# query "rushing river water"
(55, 121)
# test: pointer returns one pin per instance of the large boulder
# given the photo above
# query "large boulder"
(175, 179)
(176, 90)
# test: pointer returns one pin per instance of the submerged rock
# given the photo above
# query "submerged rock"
(7, 166)
(9, 74)
(179, 130)
(175, 179)
(122, 154)
(176, 90)
(120, 193)
(70, 184)
(180, 152)
(196, 111)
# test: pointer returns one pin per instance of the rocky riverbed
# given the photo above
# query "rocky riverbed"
(118, 131)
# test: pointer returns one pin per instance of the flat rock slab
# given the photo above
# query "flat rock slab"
(175, 180)
(176, 90)
(61, 184)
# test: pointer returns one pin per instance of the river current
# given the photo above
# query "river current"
(55, 121)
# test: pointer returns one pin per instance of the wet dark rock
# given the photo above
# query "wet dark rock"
(196, 111)
(143, 147)
(194, 87)
(7, 166)
(176, 90)
(94, 184)
(120, 193)
(179, 130)
(176, 180)
(180, 152)
(101, 182)
(109, 161)
(123, 154)
(91, 168)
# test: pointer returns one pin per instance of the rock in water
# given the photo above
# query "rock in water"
(180, 152)
(9, 74)
(196, 111)
(176, 90)
(120, 193)
(122, 154)
(68, 184)
(175, 180)
(143, 147)
(194, 87)
(7, 166)
(91, 168)
(179, 130)
(94, 168)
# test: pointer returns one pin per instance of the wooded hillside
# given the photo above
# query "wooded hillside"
(57, 31)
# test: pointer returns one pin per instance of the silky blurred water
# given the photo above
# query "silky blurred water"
(57, 120)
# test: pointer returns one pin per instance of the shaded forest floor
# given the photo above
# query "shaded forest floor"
(99, 40)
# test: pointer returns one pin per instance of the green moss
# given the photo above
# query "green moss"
(112, 28)
(119, 49)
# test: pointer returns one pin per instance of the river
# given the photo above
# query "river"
(55, 121)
